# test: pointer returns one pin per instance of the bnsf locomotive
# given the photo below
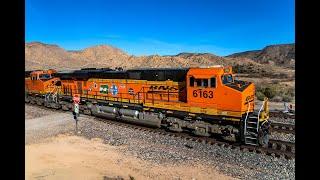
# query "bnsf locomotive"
(203, 100)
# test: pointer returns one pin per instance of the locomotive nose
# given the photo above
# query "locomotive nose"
(249, 97)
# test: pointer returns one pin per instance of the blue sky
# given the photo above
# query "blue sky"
(163, 27)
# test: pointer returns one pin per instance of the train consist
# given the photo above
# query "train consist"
(206, 101)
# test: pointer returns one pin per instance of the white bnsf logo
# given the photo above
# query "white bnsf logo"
(114, 90)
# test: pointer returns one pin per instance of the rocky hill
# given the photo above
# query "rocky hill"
(43, 56)
(39, 55)
(280, 55)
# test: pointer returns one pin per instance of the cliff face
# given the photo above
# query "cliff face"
(279, 55)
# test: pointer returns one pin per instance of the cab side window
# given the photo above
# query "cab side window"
(192, 81)
(213, 82)
(205, 83)
(198, 81)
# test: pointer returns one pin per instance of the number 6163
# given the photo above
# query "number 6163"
(202, 94)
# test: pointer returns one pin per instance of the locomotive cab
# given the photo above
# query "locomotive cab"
(41, 81)
(215, 91)
(216, 88)
(42, 75)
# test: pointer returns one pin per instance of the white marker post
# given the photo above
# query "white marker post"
(76, 108)
(76, 101)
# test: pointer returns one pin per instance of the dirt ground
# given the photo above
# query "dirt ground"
(73, 157)
(53, 155)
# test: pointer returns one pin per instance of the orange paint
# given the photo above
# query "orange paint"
(40, 81)
(203, 88)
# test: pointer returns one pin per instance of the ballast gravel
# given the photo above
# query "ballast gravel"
(283, 120)
(283, 137)
(168, 150)
(164, 149)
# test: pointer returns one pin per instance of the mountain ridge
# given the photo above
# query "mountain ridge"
(280, 55)
(39, 55)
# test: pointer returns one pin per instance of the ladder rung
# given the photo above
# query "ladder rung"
(248, 137)
(251, 143)
(251, 122)
(253, 117)
(251, 134)
(251, 127)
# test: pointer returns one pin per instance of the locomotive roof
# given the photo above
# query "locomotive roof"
(150, 74)
(158, 69)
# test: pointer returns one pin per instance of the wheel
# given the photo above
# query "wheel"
(201, 131)
(26, 99)
(175, 127)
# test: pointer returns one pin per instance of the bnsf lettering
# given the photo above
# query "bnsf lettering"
(163, 88)
(203, 94)
(249, 99)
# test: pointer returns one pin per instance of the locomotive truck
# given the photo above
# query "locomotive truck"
(206, 101)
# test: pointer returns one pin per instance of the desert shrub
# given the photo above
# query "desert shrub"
(287, 98)
(260, 87)
(260, 96)
(238, 69)
(290, 92)
(283, 75)
(275, 81)
(275, 92)
(270, 92)
(277, 99)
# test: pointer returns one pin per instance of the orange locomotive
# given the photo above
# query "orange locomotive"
(203, 100)
(41, 85)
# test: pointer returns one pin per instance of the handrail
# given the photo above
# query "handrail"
(47, 95)
(122, 96)
(259, 115)
(245, 120)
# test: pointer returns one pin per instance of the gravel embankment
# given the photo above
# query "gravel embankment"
(161, 149)
(42, 123)
(283, 137)
(283, 120)
(32, 112)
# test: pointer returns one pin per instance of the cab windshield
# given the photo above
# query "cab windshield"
(44, 76)
(227, 78)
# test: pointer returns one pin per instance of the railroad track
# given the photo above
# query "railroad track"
(283, 127)
(275, 148)
(280, 114)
